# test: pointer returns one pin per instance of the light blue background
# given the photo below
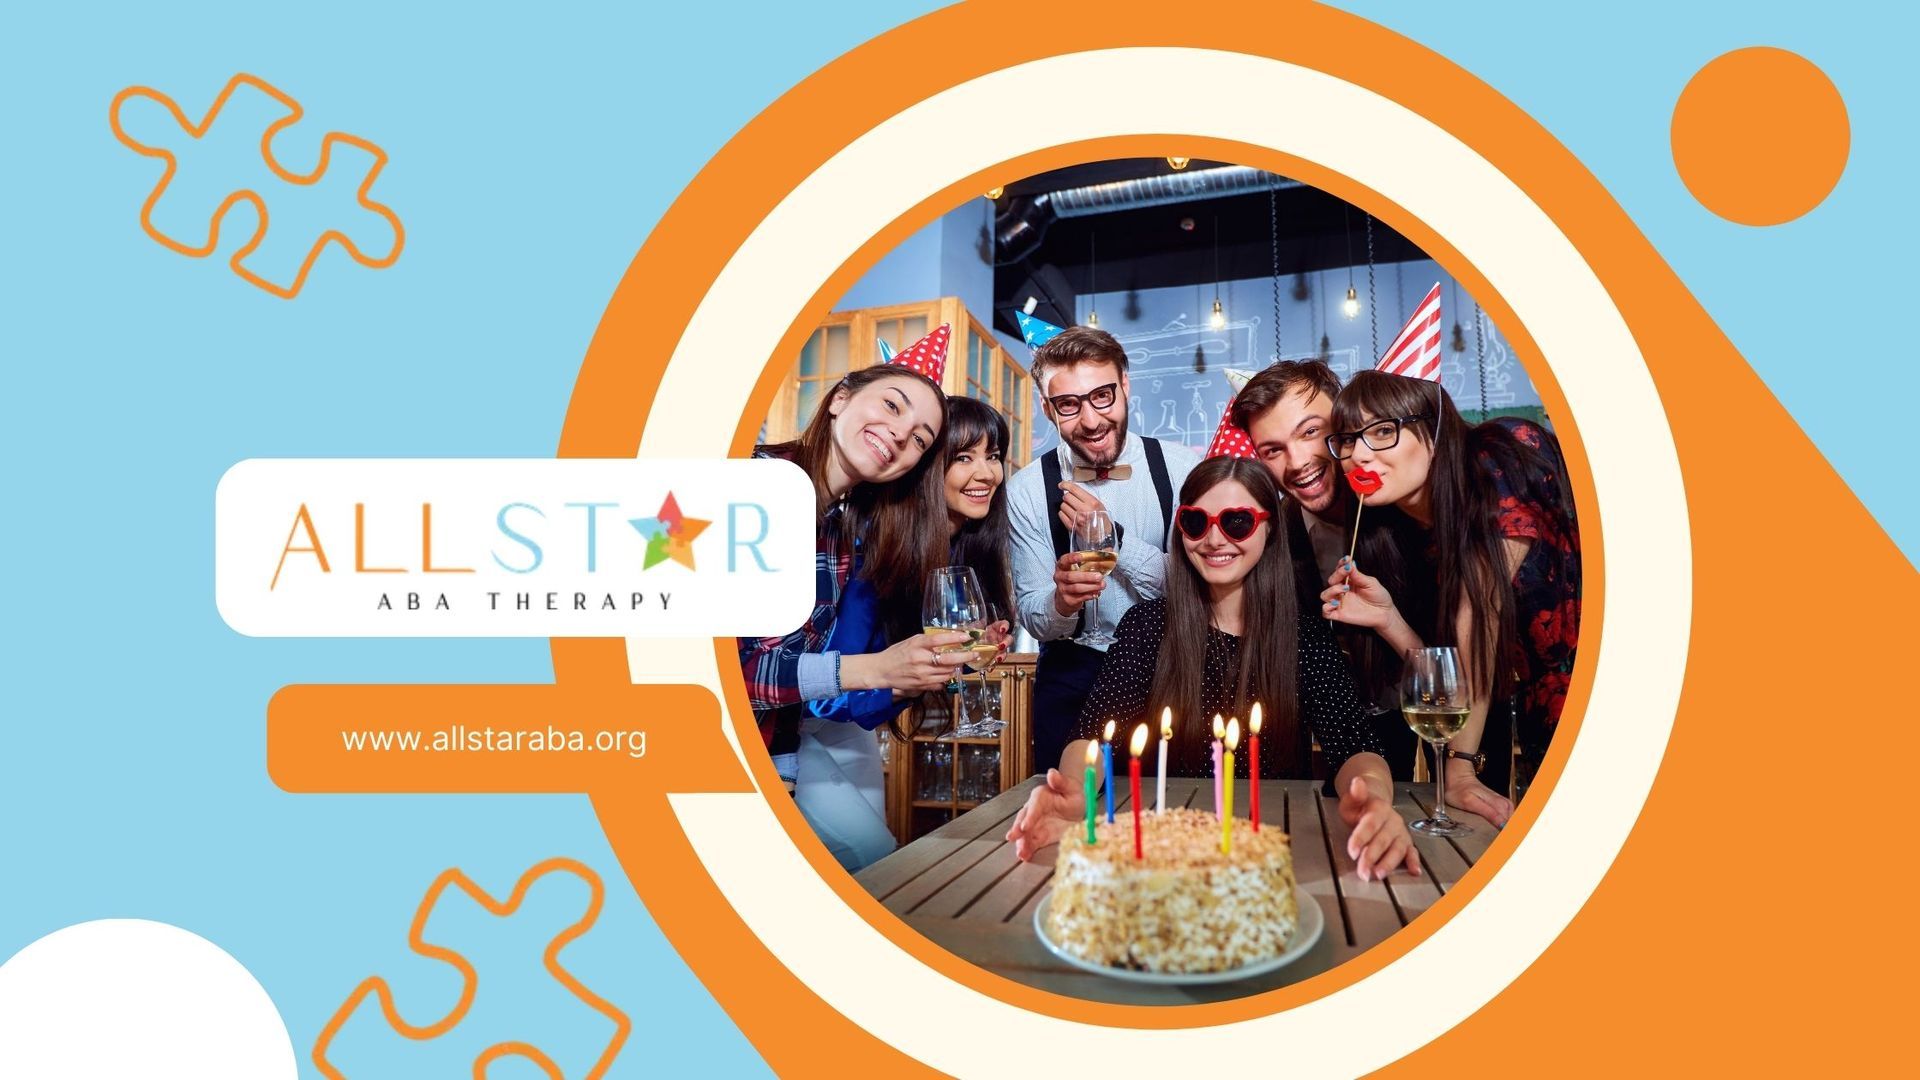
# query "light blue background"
(531, 155)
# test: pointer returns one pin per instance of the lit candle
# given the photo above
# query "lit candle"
(1219, 731)
(1093, 756)
(1106, 754)
(1253, 762)
(1226, 819)
(1166, 736)
(1138, 744)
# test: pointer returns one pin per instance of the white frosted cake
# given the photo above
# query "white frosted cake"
(1184, 907)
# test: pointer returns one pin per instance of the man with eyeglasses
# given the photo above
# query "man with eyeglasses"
(1099, 466)
(1287, 412)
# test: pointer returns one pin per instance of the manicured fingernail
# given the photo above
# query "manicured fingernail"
(1333, 603)
(1344, 587)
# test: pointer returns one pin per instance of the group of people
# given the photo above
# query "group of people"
(1237, 578)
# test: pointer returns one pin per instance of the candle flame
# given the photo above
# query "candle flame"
(1253, 722)
(1233, 734)
(1219, 726)
(1166, 723)
(1108, 736)
(1093, 754)
(1139, 741)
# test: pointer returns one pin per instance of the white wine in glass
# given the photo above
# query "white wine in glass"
(986, 652)
(953, 602)
(1098, 561)
(1096, 549)
(1433, 698)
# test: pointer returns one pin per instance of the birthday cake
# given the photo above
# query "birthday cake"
(1184, 906)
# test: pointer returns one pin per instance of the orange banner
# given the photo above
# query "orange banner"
(639, 740)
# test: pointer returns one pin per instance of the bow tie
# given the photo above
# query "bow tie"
(1084, 473)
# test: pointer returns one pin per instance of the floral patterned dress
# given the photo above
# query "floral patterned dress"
(1546, 587)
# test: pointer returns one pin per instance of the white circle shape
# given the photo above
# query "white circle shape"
(1584, 340)
(130, 997)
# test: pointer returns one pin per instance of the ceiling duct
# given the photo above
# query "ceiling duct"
(1164, 190)
(1023, 221)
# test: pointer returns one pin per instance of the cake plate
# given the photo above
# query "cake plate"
(1313, 922)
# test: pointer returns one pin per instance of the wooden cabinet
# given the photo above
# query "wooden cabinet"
(930, 780)
(977, 366)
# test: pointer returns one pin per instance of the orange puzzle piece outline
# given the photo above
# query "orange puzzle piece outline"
(259, 204)
(470, 980)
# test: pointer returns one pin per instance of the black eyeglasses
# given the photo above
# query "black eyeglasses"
(1236, 522)
(1100, 397)
(1379, 435)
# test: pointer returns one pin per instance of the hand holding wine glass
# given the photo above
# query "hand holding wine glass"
(1095, 549)
(954, 602)
(915, 665)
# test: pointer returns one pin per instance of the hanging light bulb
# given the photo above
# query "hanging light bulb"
(1199, 359)
(1326, 348)
(1219, 317)
(1093, 280)
(1459, 337)
(1178, 163)
(1351, 305)
(994, 193)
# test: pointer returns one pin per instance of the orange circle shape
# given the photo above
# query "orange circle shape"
(1760, 136)
(1679, 900)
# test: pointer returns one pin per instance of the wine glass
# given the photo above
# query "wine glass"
(1095, 548)
(986, 653)
(953, 601)
(1434, 701)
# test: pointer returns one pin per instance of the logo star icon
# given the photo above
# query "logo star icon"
(669, 534)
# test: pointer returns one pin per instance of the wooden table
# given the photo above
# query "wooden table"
(961, 887)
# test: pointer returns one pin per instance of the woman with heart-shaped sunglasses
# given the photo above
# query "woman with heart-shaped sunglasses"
(1229, 632)
(1481, 531)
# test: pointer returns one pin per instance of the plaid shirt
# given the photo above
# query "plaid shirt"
(771, 665)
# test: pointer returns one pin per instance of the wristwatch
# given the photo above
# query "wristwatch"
(1479, 759)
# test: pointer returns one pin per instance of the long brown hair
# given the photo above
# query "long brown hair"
(1269, 627)
(1469, 560)
(891, 521)
(981, 544)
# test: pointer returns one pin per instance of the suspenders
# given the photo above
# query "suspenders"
(1050, 472)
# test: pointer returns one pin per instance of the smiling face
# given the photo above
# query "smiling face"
(973, 475)
(881, 430)
(1221, 562)
(1402, 468)
(1096, 436)
(1291, 441)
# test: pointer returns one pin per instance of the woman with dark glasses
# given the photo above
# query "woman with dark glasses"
(1228, 633)
(1481, 551)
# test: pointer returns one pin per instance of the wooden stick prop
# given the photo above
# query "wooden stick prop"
(1364, 482)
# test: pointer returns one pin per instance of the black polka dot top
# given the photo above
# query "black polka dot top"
(1328, 706)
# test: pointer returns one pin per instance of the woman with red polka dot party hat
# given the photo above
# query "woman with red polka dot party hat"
(872, 451)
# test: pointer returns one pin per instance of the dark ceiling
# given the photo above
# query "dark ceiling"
(1172, 245)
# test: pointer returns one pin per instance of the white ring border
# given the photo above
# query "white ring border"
(1356, 132)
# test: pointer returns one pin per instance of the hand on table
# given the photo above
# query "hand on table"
(1466, 792)
(1379, 840)
(1051, 809)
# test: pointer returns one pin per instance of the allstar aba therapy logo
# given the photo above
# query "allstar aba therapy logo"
(514, 547)
(670, 534)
